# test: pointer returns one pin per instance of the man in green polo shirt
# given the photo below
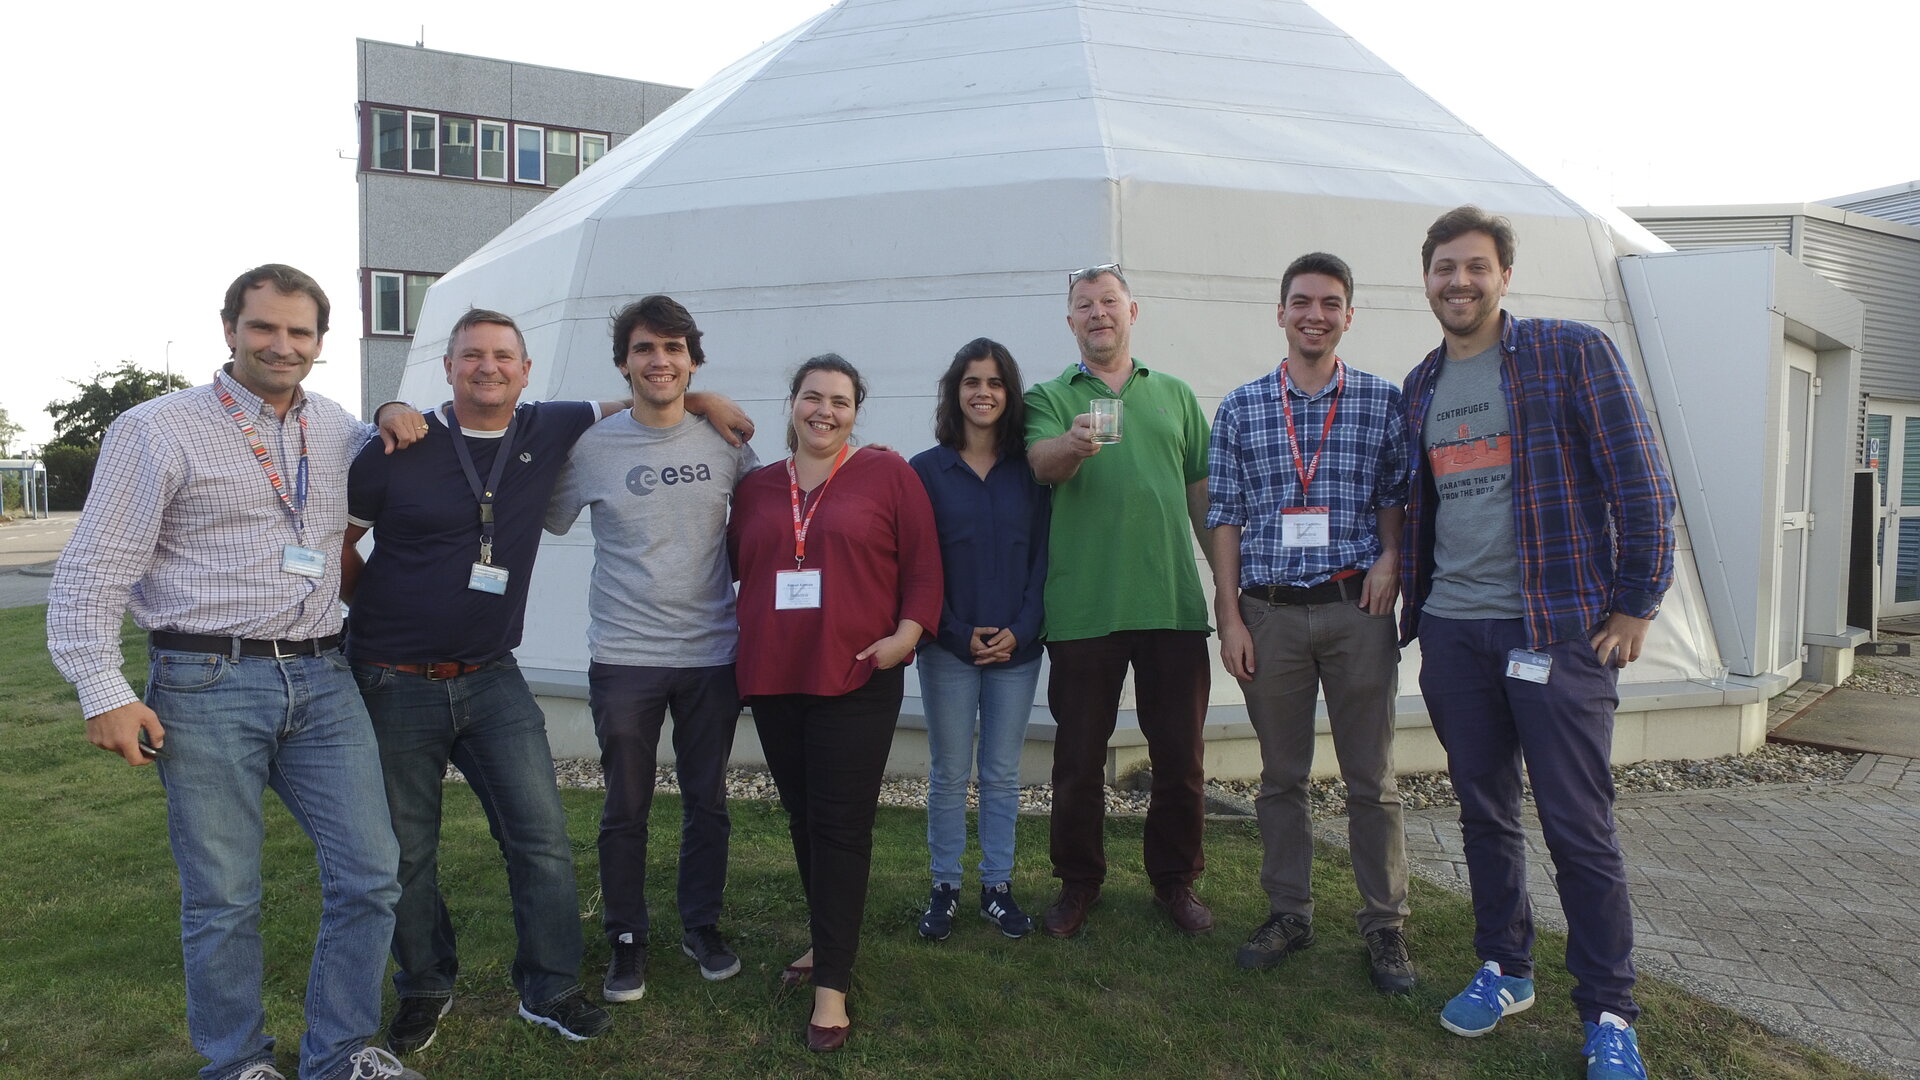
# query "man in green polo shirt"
(1122, 589)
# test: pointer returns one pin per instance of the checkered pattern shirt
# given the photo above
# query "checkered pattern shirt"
(1251, 475)
(183, 528)
(1592, 502)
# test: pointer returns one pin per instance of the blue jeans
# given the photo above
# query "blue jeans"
(1489, 724)
(488, 724)
(955, 694)
(234, 729)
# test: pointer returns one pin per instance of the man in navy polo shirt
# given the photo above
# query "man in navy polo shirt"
(1307, 489)
(437, 610)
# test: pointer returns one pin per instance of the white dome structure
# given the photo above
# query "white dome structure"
(896, 177)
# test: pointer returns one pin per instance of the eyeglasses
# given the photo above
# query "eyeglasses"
(1089, 273)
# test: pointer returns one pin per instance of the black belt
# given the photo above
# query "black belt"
(1327, 592)
(235, 646)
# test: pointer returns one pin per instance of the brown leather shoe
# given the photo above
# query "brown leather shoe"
(825, 1040)
(1068, 914)
(1189, 915)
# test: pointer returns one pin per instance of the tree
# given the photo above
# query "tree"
(9, 431)
(83, 419)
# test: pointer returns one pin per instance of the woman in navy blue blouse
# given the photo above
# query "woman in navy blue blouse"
(980, 678)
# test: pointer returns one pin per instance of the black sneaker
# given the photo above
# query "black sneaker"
(710, 951)
(572, 1015)
(1387, 961)
(415, 1023)
(998, 908)
(1277, 939)
(937, 923)
(627, 971)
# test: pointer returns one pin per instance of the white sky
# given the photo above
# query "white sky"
(178, 149)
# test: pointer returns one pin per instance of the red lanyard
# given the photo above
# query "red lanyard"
(295, 503)
(1304, 470)
(801, 525)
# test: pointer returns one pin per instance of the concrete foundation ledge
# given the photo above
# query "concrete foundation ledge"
(1661, 721)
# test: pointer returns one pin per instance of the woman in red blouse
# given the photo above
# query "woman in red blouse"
(839, 570)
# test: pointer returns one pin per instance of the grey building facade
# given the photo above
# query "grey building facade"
(453, 149)
(1869, 245)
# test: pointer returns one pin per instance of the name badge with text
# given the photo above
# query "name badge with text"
(1528, 666)
(488, 579)
(1305, 526)
(796, 589)
(303, 561)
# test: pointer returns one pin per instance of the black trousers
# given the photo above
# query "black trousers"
(827, 755)
(630, 705)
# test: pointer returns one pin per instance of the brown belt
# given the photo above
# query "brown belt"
(1327, 592)
(445, 669)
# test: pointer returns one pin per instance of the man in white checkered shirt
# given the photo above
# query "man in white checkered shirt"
(215, 516)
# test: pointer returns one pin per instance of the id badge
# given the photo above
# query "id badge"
(796, 589)
(488, 579)
(303, 561)
(1305, 526)
(1528, 666)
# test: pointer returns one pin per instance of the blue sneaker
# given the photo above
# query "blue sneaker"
(1613, 1052)
(1486, 999)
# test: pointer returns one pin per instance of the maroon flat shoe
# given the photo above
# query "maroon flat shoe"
(825, 1040)
(796, 975)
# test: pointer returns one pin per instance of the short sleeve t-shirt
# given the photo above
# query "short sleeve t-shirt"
(1469, 446)
(412, 604)
(661, 594)
(1120, 552)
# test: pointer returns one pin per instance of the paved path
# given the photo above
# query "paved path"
(28, 550)
(1796, 904)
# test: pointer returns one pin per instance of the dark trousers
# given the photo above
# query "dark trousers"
(1563, 731)
(827, 756)
(1171, 678)
(629, 707)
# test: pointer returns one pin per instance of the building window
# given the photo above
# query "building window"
(528, 155)
(394, 301)
(389, 140)
(592, 149)
(563, 156)
(456, 147)
(423, 143)
(493, 150)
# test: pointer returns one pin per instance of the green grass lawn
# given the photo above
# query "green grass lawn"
(90, 981)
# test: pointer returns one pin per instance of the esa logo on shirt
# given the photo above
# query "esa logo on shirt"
(644, 478)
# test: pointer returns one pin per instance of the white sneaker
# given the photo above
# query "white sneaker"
(260, 1071)
(373, 1063)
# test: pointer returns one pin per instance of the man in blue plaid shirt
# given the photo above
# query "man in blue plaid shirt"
(1307, 484)
(1539, 543)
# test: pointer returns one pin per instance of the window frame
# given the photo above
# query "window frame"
(539, 135)
(417, 114)
(506, 150)
(605, 142)
(373, 302)
(374, 112)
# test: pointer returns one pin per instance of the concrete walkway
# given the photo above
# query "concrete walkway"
(28, 550)
(1797, 905)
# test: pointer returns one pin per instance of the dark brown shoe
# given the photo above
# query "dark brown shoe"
(1189, 915)
(1068, 914)
(825, 1040)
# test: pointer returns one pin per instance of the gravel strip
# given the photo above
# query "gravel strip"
(1881, 677)
(1772, 763)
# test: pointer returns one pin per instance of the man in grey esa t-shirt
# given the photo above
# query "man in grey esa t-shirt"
(661, 633)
